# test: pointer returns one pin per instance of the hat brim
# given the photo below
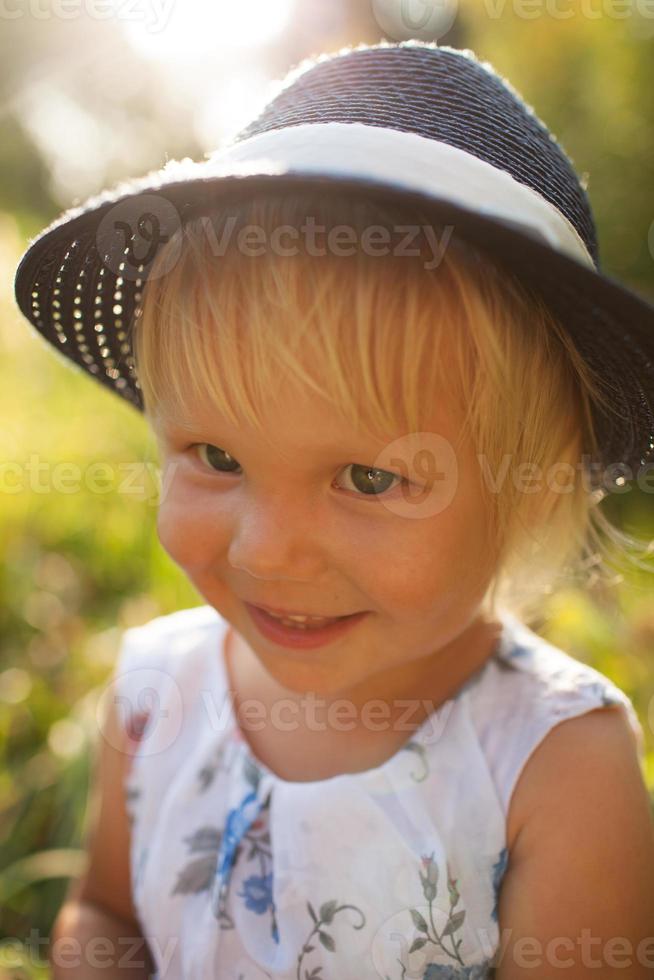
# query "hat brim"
(611, 325)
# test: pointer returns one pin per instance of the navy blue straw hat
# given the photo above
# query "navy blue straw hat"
(409, 122)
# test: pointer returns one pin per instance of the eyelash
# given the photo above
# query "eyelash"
(400, 479)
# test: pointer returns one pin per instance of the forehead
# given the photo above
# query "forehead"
(395, 379)
(291, 423)
(300, 422)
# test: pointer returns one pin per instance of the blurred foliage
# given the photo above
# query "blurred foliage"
(590, 79)
(80, 566)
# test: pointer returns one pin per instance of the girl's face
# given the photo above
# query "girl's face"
(285, 521)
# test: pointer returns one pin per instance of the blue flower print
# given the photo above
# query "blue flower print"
(235, 827)
(598, 690)
(517, 650)
(498, 873)
(446, 972)
(257, 892)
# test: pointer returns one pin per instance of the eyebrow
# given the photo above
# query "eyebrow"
(339, 448)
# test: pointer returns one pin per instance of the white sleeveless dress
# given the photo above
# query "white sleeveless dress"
(238, 874)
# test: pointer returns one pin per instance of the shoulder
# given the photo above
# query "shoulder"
(165, 640)
(181, 622)
(582, 857)
(165, 662)
(529, 689)
(577, 753)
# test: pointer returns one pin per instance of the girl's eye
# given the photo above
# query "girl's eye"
(366, 480)
(370, 481)
(217, 457)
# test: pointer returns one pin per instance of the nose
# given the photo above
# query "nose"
(278, 539)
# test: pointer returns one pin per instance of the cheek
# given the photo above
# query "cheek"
(414, 573)
(187, 529)
(426, 564)
(177, 532)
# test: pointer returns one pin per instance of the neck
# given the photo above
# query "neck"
(429, 682)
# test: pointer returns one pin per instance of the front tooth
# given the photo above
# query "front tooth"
(302, 619)
(302, 622)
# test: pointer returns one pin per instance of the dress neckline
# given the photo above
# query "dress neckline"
(417, 737)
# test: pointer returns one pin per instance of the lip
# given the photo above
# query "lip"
(299, 639)
(285, 612)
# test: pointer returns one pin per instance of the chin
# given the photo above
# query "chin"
(304, 676)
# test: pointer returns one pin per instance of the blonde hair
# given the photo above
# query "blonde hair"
(229, 328)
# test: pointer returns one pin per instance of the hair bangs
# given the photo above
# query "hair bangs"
(228, 331)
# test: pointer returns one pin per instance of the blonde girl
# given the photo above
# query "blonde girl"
(387, 383)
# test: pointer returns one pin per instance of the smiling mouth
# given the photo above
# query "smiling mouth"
(298, 614)
(301, 635)
(301, 620)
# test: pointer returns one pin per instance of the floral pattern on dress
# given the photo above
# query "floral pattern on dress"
(242, 835)
(198, 873)
(517, 650)
(599, 691)
(414, 746)
(446, 942)
(498, 873)
(220, 848)
(245, 837)
(207, 773)
(436, 971)
(325, 916)
(215, 852)
(132, 796)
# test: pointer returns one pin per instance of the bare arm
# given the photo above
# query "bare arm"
(87, 942)
(97, 932)
(577, 899)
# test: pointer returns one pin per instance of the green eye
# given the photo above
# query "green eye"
(365, 480)
(217, 458)
(370, 481)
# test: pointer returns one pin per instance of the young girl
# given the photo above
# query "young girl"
(372, 344)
